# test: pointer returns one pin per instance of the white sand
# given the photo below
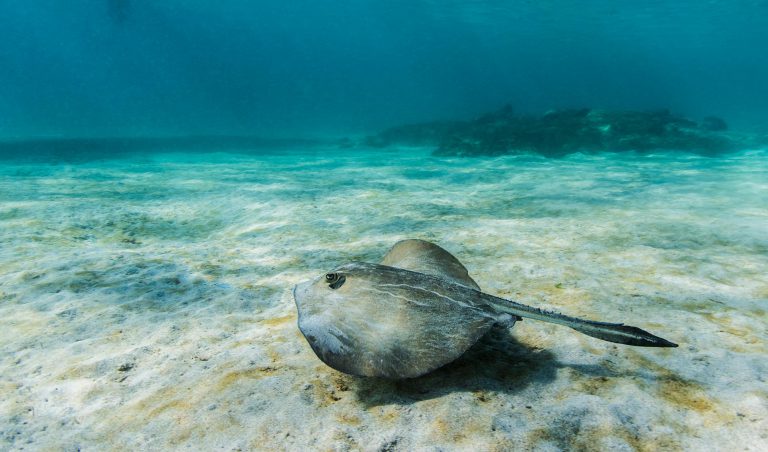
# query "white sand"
(145, 302)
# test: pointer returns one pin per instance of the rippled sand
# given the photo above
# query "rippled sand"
(145, 301)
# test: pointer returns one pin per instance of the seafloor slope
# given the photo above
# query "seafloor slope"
(145, 301)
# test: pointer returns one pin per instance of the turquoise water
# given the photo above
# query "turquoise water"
(170, 170)
(145, 299)
(85, 68)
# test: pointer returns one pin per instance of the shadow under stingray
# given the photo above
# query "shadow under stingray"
(496, 363)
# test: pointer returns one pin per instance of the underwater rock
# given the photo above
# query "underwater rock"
(558, 133)
(125, 367)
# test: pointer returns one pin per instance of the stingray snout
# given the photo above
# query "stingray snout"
(300, 290)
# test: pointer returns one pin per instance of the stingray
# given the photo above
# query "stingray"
(416, 311)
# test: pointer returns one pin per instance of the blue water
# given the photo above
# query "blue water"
(145, 278)
(269, 67)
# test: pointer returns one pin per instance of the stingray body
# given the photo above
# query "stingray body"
(414, 312)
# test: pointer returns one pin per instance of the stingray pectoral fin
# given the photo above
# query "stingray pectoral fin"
(426, 257)
(611, 332)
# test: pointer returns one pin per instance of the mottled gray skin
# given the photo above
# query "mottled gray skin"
(389, 321)
(385, 321)
(428, 258)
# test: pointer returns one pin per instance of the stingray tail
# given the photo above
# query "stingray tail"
(611, 332)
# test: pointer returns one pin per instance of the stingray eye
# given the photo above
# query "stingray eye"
(334, 280)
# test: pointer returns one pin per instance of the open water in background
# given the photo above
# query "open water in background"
(84, 68)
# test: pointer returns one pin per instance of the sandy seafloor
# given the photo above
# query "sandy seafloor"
(145, 301)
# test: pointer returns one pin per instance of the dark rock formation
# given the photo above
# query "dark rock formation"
(561, 132)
